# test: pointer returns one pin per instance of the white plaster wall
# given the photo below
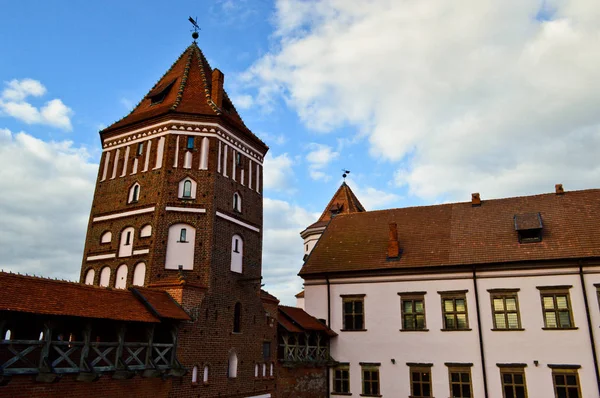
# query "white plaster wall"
(105, 276)
(187, 160)
(125, 250)
(146, 231)
(106, 237)
(300, 302)
(310, 242)
(237, 258)
(383, 341)
(89, 277)
(139, 274)
(180, 253)
(160, 152)
(204, 154)
(121, 277)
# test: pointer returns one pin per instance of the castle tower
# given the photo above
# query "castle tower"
(343, 202)
(178, 206)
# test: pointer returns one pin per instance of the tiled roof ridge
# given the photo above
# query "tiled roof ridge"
(350, 197)
(153, 87)
(184, 78)
(61, 281)
(201, 61)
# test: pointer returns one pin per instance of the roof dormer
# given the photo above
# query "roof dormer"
(529, 227)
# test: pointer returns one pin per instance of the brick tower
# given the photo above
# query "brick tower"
(178, 207)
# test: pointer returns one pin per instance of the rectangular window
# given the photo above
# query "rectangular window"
(266, 350)
(454, 310)
(140, 148)
(413, 311)
(513, 382)
(460, 381)
(354, 315)
(505, 310)
(556, 306)
(182, 235)
(420, 381)
(370, 379)
(341, 379)
(566, 383)
(190, 142)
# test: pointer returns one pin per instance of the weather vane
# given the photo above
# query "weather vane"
(346, 172)
(196, 27)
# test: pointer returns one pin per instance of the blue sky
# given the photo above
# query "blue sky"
(424, 103)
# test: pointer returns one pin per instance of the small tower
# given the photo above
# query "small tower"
(343, 202)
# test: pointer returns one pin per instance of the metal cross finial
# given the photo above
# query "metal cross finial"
(196, 27)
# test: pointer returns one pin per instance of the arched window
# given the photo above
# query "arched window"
(237, 318)
(106, 237)
(237, 253)
(264, 370)
(121, 280)
(105, 276)
(146, 231)
(139, 274)
(126, 243)
(271, 369)
(237, 202)
(7, 335)
(89, 277)
(256, 370)
(180, 252)
(187, 189)
(187, 160)
(134, 193)
(205, 375)
(195, 374)
(232, 369)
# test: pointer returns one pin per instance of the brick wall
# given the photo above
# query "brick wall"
(302, 382)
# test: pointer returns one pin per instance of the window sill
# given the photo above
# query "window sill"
(508, 330)
(456, 330)
(355, 330)
(571, 328)
(186, 198)
(370, 395)
(414, 330)
(341, 393)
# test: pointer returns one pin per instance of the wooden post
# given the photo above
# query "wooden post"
(46, 373)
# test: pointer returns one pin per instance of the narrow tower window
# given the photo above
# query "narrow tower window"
(134, 193)
(237, 253)
(237, 202)
(140, 148)
(187, 189)
(182, 235)
(190, 142)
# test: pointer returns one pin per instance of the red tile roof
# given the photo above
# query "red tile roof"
(343, 202)
(20, 293)
(264, 295)
(292, 318)
(190, 94)
(459, 233)
(300, 295)
(161, 304)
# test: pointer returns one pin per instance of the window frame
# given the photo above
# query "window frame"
(353, 298)
(412, 297)
(370, 369)
(182, 236)
(554, 291)
(454, 295)
(187, 193)
(237, 318)
(190, 139)
(420, 368)
(460, 369)
(267, 352)
(512, 369)
(140, 149)
(505, 294)
(565, 370)
(344, 376)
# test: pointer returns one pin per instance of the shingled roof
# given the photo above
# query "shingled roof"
(297, 320)
(460, 234)
(184, 90)
(36, 295)
(343, 202)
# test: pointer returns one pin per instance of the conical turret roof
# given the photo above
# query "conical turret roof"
(343, 202)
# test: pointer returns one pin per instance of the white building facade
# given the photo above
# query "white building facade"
(417, 315)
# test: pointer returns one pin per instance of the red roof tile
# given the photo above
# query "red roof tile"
(300, 295)
(190, 94)
(268, 296)
(459, 233)
(343, 202)
(161, 304)
(30, 294)
(299, 318)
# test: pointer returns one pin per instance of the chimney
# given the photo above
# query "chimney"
(217, 87)
(558, 188)
(393, 251)
(475, 199)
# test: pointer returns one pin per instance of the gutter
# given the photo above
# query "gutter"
(480, 332)
(589, 324)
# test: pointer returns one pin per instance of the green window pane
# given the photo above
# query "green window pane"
(358, 307)
(571, 380)
(507, 378)
(461, 321)
(448, 305)
(460, 305)
(450, 322)
(419, 306)
(561, 302)
(565, 319)
(409, 322)
(420, 321)
(348, 307)
(548, 302)
(551, 320)
(513, 320)
(455, 377)
(511, 304)
(358, 322)
(408, 308)
(518, 378)
(464, 377)
(500, 321)
(498, 304)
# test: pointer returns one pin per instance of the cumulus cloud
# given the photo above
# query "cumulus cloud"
(243, 101)
(46, 197)
(53, 113)
(318, 158)
(372, 198)
(278, 173)
(496, 97)
(283, 247)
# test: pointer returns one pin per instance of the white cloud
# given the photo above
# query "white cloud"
(283, 247)
(477, 97)
(278, 173)
(46, 196)
(373, 198)
(127, 103)
(12, 103)
(242, 101)
(318, 158)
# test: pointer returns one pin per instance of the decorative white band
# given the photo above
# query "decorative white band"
(236, 221)
(141, 251)
(124, 214)
(101, 257)
(185, 209)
